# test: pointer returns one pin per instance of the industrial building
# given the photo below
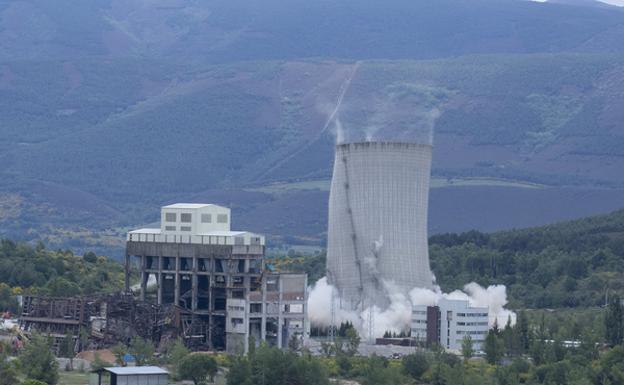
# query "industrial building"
(276, 314)
(449, 322)
(216, 275)
(377, 230)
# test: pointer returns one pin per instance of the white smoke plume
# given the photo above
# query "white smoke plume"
(397, 316)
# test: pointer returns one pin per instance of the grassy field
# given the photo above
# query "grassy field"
(73, 378)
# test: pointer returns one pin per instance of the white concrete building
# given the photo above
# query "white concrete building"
(449, 322)
(458, 319)
(419, 323)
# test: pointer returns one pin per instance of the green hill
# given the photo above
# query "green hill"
(568, 264)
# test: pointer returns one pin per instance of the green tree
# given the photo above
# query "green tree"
(8, 302)
(119, 351)
(142, 350)
(352, 341)
(98, 363)
(415, 365)
(523, 331)
(66, 350)
(614, 321)
(240, 372)
(197, 367)
(493, 348)
(61, 287)
(90, 257)
(377, 372)
(8, 372)
(37, 361)
(611, 367)
(175, 354)
(467, 348)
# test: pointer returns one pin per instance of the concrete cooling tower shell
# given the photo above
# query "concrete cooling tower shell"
(378, 221)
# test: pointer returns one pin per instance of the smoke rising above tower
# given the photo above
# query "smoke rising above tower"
(377, 234)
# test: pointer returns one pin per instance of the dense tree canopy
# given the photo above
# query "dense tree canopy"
(24, 267)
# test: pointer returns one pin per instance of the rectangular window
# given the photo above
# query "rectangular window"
(185, 228)
(206, 218)
(222, 218)
(170, 217)
(186, 217)
(170, 228)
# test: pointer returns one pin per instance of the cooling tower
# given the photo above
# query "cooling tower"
(377, 230)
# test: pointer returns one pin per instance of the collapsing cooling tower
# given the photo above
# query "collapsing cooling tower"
(378, 221)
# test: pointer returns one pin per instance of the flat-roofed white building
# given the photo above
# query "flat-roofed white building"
(459, 319)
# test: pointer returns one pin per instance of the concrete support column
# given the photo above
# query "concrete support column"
(159, 278)
(264, 311)
(144, 277)
(194, 289)
(159, 288)
(127, 271)
(176, 295)
(280, 320)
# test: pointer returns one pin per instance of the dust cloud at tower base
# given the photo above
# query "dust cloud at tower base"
(377, 235)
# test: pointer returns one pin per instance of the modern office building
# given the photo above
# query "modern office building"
(449, 322)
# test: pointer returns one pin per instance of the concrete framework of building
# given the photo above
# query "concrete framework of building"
(196, 262)
(277, 314)
(449, 322)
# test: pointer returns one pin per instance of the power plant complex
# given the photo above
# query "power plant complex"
(377, 234)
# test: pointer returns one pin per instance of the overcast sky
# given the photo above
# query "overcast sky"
(619, 3)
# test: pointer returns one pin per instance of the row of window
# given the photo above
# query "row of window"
(473, 341)
(182, 228)
(472, 314)
(188, 218)
(472, 332)
(472, 324)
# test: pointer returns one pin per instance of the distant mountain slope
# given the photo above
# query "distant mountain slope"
(542, 118)
(232, 30)
(109, 108)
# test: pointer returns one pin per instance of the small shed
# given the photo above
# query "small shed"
(130, 375)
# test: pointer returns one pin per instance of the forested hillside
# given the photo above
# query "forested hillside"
(564, 265)
(34, 269)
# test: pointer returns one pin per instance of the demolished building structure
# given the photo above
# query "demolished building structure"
(198, 280)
